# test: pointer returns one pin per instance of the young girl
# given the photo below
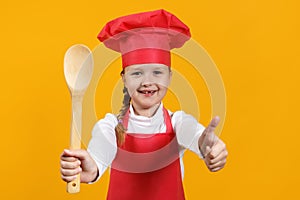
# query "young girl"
(143, 143)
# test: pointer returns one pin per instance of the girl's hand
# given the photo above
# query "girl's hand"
(73, 162)
(213, 148)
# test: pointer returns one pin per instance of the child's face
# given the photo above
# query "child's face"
(147, 84)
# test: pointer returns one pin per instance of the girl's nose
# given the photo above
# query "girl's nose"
(146, 84)
(147, 80)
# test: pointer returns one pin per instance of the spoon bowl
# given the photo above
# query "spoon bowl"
(78, 68)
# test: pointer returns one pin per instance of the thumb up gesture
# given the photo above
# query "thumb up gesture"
(212, 147)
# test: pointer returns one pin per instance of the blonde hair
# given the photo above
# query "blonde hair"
(120, 129)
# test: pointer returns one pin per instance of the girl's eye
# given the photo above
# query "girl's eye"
(136, 73)
(157, 72)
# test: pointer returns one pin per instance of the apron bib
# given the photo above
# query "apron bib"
(147, 167)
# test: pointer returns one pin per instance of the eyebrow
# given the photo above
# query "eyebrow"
(135, 68)
(160, 67)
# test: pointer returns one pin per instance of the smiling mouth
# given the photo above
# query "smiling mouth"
(147, 92)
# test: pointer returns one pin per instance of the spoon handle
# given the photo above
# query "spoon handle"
(75, 142)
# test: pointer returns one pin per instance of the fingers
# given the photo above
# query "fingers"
(77, 153)
(68, 178)
(69, 165)
(208, 137)
(206, 142)
(217, 163)
(217, 150)
(73, 162)
(213, 124)
(216, 158)
(70, 172)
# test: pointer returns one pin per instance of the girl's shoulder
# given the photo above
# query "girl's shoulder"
(181, 116)
(109, 119)
(105, 126)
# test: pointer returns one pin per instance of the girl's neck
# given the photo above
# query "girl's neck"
(147, 112)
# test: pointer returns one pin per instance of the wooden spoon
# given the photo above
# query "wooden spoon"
(78, 69)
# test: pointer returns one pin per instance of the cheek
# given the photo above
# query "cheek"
(131, 86)
(164, 82)
(163, 90)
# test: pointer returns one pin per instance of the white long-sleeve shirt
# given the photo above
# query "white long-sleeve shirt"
(103, 144)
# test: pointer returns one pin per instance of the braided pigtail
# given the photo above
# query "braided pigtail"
(120, 129)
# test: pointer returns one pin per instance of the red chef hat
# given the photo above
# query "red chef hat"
(145, 37)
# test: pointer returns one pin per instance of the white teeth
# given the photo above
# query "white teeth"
(147, 92)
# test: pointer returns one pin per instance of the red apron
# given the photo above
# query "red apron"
(147, 167)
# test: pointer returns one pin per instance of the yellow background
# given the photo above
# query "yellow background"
(255, 45)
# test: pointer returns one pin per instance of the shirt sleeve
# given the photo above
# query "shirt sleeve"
(188, 131)
(102, 146)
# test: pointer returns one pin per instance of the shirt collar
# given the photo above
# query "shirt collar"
(156, 118)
